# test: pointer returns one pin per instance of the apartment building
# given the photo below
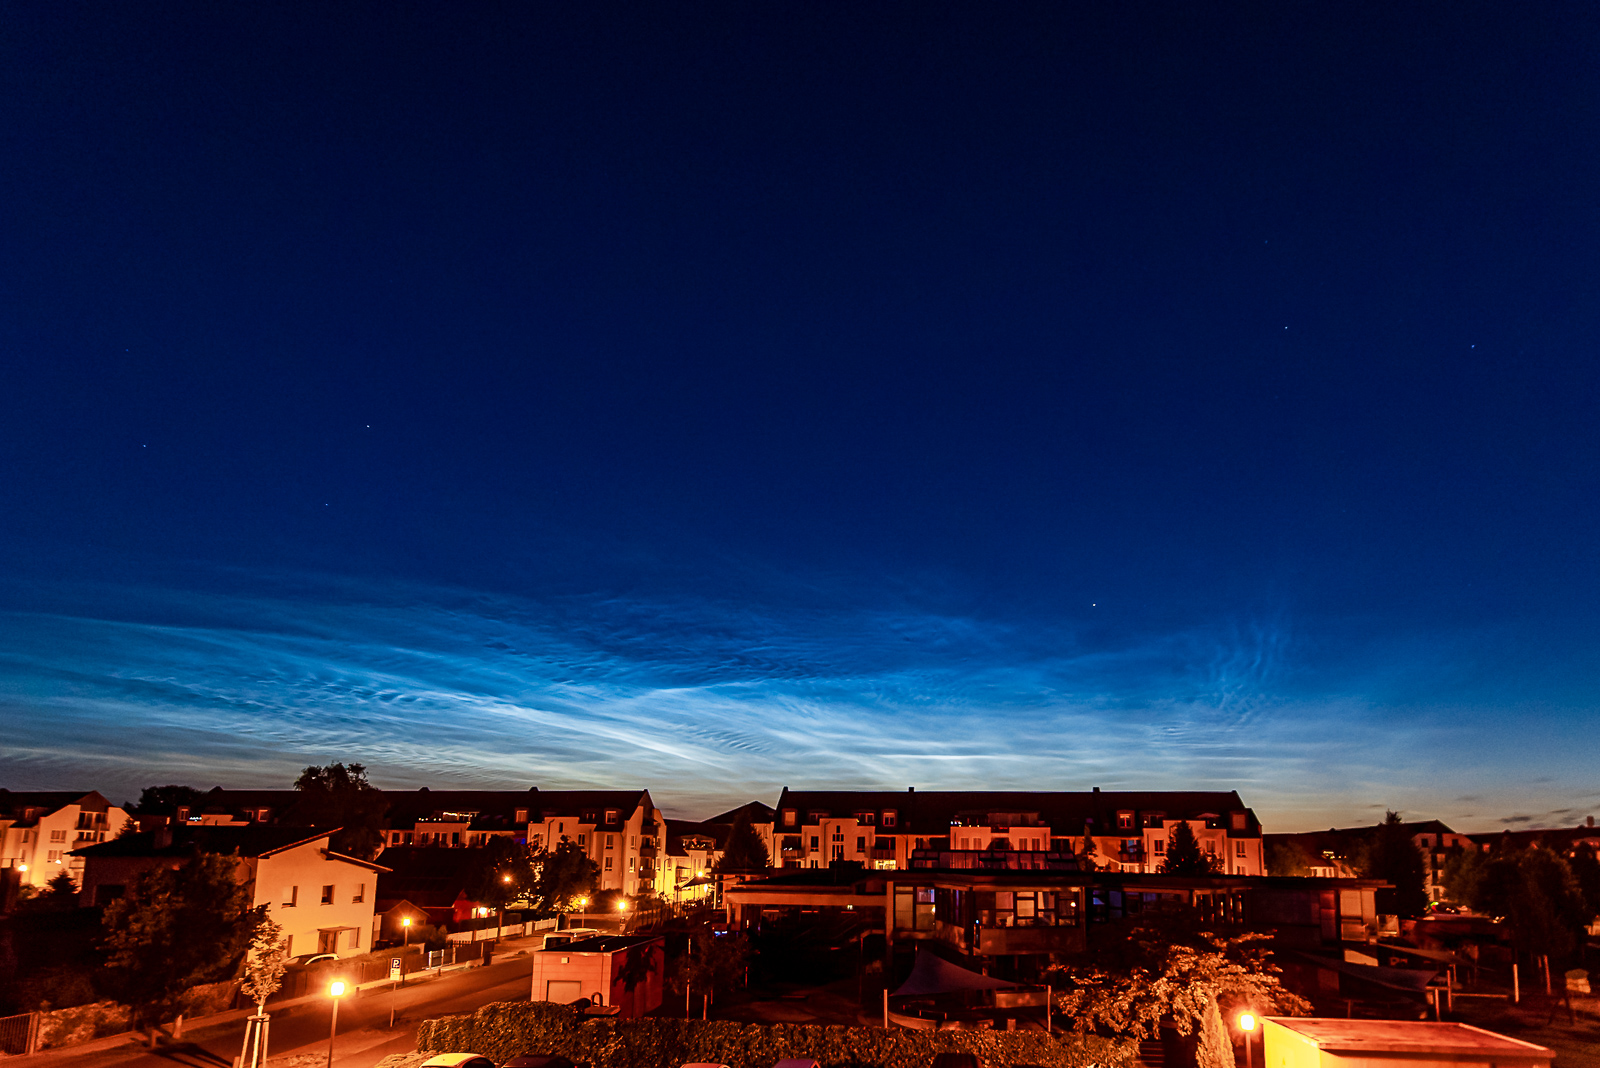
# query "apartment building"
(1130, 830)
(622, 831)
(324, 900)
(40, 829)
(1335, 852)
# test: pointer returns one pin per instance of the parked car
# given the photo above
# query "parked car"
(557, 939)
(458, 1060)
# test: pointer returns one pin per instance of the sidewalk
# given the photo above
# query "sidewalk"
(507, 950)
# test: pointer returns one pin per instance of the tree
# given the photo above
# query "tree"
(264, 964)
(1586, 869)
(563, 875)
(60, 893)
(711, 964)
(1288, 858)
(1087, 850)
(339, 795)
(1184, 856)
(505, 871)
(1537, 893)
(165, 800)
(1463, 874)
(1392, 856)
(1167, 972)
(176, 928)
(745, 849)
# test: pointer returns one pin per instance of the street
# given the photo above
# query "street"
(301, 1031)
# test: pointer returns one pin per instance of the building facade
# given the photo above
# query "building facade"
(1129, 830)
(39, 831)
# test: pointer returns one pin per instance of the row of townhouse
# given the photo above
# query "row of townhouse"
(1336, 851)
(40, 829)
(1130, 830)
(622, 831)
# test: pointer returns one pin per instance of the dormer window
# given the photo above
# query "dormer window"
(889, 818)
(522, 816)
(866, 818)
(611, 815)
(789, 816)
(1241, 821)
(1125, 821)
(816, 817)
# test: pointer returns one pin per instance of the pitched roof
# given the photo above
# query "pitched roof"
(14, 802)
(933, 812)
(758, 813)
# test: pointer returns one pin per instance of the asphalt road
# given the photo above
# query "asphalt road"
(301, 1031)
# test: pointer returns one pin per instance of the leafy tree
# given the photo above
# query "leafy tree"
(165, 800)
(339, 795)
(1163, 973)
(1586, 869)
(1463, 874)
(1087, 850)
(264, 964)
(563, 875)
(1537, 893)
(711, 964)
(1392, 856)
(176, 928)
(1289, 858)
(1184, 856)
(504, 872)
(745, 849)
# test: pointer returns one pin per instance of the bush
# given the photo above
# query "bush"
(506, 1029)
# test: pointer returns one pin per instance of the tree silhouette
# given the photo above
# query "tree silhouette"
(1184, 856)
(1393, 857)
(176, 928)
(745, 849)
(339, 795)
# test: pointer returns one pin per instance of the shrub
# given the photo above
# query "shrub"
(506, 1029)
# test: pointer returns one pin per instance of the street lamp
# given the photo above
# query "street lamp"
(335, 991)
(1247, 1024)
(406, 924)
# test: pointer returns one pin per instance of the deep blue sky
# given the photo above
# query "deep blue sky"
(725, 397)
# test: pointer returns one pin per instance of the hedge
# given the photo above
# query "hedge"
(505, 1029)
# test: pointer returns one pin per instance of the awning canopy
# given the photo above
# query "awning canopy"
(934, 975)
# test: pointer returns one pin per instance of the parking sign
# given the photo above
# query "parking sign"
(394, 967)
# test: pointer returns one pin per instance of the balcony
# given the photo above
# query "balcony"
(647, 850)
(881, 854)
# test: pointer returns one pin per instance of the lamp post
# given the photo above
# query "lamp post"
(405, 925)
(335, 991)
(1247, 1024)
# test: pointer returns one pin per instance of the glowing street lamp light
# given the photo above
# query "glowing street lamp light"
(335, 992)
(1247, 1024)
(406, 925)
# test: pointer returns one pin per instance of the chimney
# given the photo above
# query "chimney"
(913, 789)
(1097, 789)
(1591, 821)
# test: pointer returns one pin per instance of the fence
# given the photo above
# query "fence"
(510, 930)
(19, 1034)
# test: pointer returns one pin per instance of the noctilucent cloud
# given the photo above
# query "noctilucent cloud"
(778, 395)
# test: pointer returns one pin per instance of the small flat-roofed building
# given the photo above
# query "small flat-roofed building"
(622, 971)
(1294, 1042)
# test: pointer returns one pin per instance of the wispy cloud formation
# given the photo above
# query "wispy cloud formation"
(706, 703)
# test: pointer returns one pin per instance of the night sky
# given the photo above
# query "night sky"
(715, 398)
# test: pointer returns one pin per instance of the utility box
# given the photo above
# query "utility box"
(1296, 1042)
(625, 973)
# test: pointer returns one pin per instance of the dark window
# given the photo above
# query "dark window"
(327, 894)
